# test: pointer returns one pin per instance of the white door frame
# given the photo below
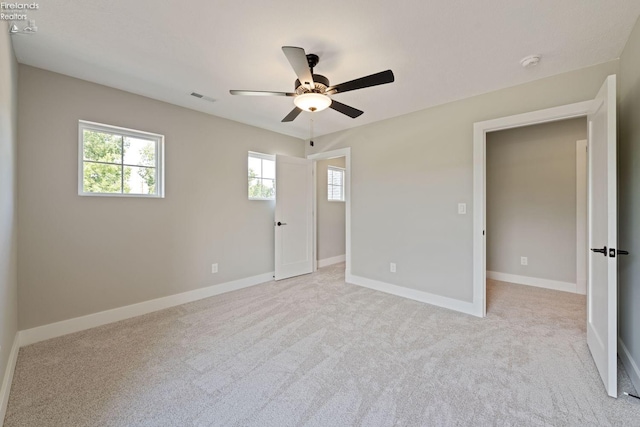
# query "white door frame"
(346, 153)
(480, 130)
(582, 216)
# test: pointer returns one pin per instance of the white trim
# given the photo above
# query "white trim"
(330, 261)
(8, 376)
(263, 156)
(53, 330)
(480, 130)
(629, 364)
(314, 196)
(346, 153)
(401, 291)
(556, 285)
(582, 251)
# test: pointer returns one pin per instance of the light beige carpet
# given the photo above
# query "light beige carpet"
(316, 351)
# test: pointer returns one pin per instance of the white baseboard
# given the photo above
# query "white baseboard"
(533, 281)
(330, 261)
(440, 301)
(8, 376)
(629, 364)
(53, 330)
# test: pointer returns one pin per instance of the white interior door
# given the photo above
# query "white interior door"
(294, 217)
(602, 304)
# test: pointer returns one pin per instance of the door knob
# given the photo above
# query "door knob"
(602, 251)
(613, 252)
(281, 223)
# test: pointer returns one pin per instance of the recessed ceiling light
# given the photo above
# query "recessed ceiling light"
(530, 61)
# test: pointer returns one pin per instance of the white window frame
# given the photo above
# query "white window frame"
(100, 127)
(262, 156)
(341, 170)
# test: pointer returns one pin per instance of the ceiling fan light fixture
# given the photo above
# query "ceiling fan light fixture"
(312, 102)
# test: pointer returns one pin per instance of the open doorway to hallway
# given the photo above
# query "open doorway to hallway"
(330, 211)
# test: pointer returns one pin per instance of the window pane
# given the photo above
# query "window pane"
(255, 168)
(254, 187)
(101, 147)
(269, 169)
(262, 174)
(334, 192)
(335, 176)
(335, 184)
(139, 152)
(139, 180)
(101, 178)
(268, 188)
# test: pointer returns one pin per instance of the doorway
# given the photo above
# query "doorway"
(330, 211)
(536, 205)
(480, 130)
(320, 176)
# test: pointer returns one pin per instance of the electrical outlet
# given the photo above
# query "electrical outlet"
(214, 268)
(524, 260)
(392, 267)
(462, 208)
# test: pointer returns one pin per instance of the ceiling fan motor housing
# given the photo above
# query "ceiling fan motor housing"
(321, 84)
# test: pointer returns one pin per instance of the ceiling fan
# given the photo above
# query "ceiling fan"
(312, 90)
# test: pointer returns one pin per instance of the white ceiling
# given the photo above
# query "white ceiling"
(439, 50)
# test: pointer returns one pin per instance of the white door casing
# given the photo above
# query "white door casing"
(480, 130)
(582, 232)
(602, 298)
(294, 213)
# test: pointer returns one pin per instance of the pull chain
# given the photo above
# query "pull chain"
(311, 132)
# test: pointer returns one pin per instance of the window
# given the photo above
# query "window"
(335, 181)
(262, 176)
(115, 161)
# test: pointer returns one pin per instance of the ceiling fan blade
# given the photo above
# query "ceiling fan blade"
(368, 81)
(298, 60)
(260, 93)
(345, 109)
(292, 115)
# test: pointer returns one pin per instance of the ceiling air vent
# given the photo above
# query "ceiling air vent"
(201, 96)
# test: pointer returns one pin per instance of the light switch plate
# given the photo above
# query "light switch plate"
(462, 208)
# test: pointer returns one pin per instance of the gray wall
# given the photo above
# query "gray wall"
(8, 198)
(531, 199)
(331, 219)
(410, 172)
(80, 255)
(629, 197)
